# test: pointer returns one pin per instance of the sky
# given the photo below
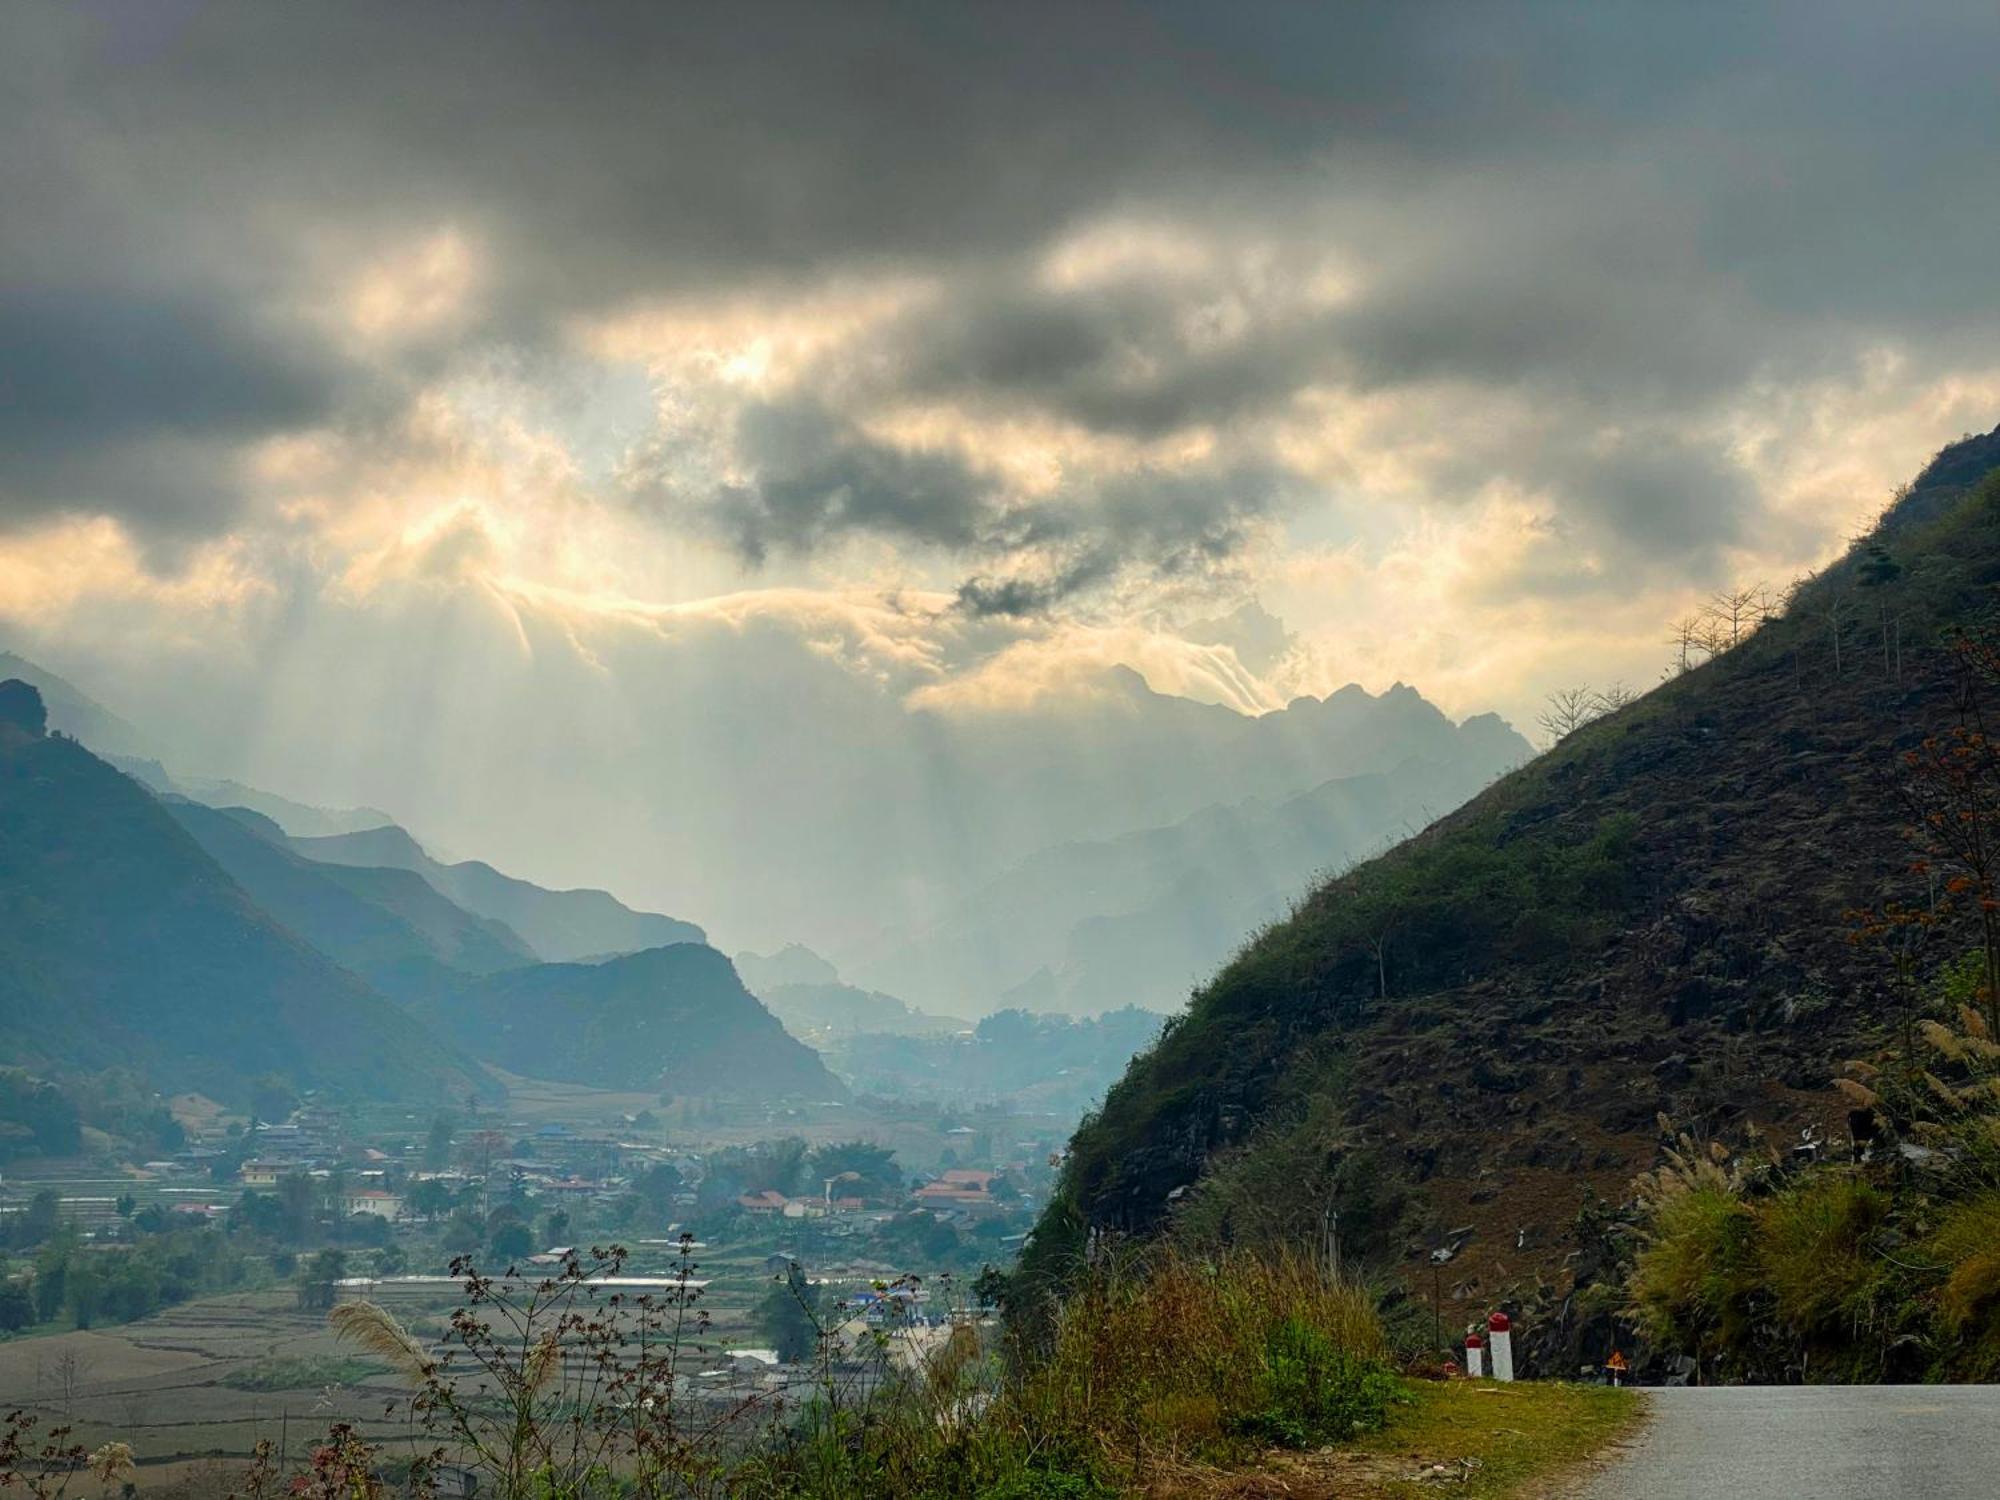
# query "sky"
(382, 365)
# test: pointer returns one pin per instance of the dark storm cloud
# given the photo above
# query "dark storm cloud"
(103, 396)
(812, 479)
(815, 478)
(1626, 215)
(1126, 359)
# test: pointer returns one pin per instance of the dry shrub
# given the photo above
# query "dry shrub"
(1688, 1281)
(1181, 1356)
(1819, 1265)
(1969, 1302)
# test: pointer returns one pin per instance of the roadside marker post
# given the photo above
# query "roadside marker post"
(1475, 1356)
(1617, 1365)
(1500, 1338)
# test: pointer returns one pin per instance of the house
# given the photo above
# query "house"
(963, 1189)
(383, 1205)
(262, 1173)
(768, 1201)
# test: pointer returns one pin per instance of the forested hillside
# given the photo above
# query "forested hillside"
(1458, 1042)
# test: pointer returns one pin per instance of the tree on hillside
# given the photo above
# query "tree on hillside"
(298, 1206)
(37, 1223)
(17, 1307)
(272, 1099)
(1567, 710)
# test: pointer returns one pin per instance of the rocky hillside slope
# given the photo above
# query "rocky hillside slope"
(1457, 1043)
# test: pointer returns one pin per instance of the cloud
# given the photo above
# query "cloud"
(1486, 317)
(808, 475)
(121, 405)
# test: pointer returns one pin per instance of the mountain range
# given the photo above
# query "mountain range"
(122, 944)
(1141, 919)
(1080, 923)
(198, 944)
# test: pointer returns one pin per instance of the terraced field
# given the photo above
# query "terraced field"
(162, 1384)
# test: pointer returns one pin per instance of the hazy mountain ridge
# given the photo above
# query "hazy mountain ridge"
(560, 926)
(388, 925)
(122, 943)
(141, 927)
(676, 1019)
(1140, 919)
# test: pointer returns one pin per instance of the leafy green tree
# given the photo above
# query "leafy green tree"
(126, 1205)
(316, 1279)
(257, 1213)
(555, 1226)
(870, 1170)
(437, 1143)
(17, 1307)
(36, 1117)
(655, 1188)
(464, 1232)
(52, 1268)
(788, 1315)
(83, 1290)
(512, 1244)
(298, 1201)
(429, 1199)
(38, 1222)
(272, 1098)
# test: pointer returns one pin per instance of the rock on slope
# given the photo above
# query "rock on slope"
(1473, 1030)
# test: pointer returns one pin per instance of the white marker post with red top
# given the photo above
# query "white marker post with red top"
(1475, 1355)
(1500, 1336)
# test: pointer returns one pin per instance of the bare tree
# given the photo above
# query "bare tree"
(1614, 698)
(1733, 612)
(71, 1368)
(1834, 612)
(1693, 640)
(1568, 710)
(1378, 949)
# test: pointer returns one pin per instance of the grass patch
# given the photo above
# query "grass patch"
(308, 1372)
(1521, 1433)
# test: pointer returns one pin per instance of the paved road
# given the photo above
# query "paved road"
(1826, 1442)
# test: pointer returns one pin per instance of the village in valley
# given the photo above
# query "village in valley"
(179, 1301)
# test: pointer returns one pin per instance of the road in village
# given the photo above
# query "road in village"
(1826, 1442)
